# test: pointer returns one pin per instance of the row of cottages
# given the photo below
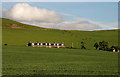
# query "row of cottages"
(37, 44)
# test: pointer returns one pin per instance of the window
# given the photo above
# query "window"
(43, 43)
(52, 44)
(60, 44)
(35, 43)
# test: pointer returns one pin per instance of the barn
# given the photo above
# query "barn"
(39, 44)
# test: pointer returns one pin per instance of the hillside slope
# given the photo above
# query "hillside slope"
(15, 33)
(8, 23)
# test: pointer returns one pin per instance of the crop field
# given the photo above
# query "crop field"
(19, 60)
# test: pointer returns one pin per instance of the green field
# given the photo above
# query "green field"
(18, 60)
(22, 36)
(21, 60)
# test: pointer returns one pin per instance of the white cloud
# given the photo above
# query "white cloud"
(25, 13)
(67, 25)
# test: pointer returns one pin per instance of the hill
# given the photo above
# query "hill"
(21, 61)
(8, 23)
(15, 33)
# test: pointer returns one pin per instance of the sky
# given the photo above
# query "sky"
(64, 15)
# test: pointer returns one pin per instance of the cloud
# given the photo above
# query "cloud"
(25, 12)
(41, 17)
(67, 25)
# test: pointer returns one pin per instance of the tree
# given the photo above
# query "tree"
(5, 44)
(106, 46)
(96, 45)
(29, 43)
(103, 45)
(82, 45)
(114, 47)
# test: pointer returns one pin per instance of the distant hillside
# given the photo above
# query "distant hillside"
(15, 33)
(8, 23)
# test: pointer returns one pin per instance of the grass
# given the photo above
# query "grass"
(25, 61)
(19, 60)
(21, 36)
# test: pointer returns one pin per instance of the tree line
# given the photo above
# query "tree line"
(103, 45)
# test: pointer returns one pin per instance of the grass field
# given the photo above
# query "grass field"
(21, 36)
(21, 60)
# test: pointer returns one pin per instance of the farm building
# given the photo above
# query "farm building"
(38, 44)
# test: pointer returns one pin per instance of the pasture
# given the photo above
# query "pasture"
(20, 60)
(21, 36)
(27, 61)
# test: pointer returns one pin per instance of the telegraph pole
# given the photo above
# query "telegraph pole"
(72, 44)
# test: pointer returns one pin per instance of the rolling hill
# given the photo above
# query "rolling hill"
(15, 33)
(19, 60)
